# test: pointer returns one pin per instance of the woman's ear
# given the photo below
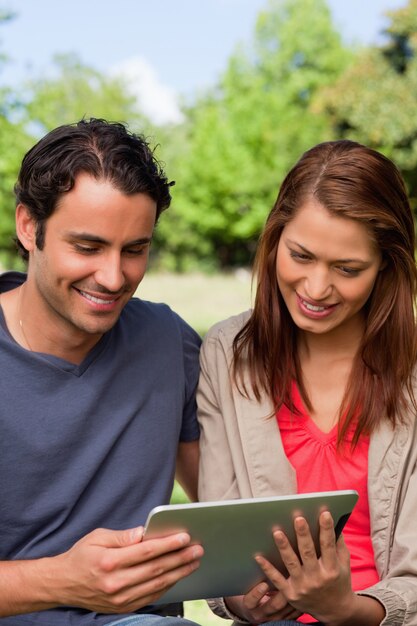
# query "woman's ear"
(25, 228)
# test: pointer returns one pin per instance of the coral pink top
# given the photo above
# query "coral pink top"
(320, 466)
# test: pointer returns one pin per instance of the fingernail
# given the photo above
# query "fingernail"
(263, 588)
(197, 552)
(279, 536)
(183, 539)
(136, 534)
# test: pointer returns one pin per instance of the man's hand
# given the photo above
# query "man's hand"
(115, 571)
(106, 571)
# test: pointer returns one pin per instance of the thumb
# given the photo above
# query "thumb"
(118, 538)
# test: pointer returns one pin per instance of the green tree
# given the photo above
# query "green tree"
(13, 142)
(374, 102)
(241, 139)
(74, 91)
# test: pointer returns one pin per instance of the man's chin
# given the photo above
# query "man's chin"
(98, 329)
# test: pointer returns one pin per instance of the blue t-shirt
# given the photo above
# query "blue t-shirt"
(91, 445)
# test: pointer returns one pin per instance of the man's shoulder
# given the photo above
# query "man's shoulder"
(10, 280)
(157, 312)
(156, 316)
(145, 308)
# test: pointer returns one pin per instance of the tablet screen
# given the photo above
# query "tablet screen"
(233, 531)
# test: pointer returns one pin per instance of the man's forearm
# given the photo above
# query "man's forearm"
(25, 586)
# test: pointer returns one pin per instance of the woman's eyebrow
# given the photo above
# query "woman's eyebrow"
(349, 260)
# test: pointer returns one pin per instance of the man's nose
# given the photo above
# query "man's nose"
(110, 272)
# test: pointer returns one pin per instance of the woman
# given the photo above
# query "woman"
(312, 390)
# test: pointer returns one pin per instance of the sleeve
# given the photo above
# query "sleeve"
(217, 480)
(191, 343)
(397, 590)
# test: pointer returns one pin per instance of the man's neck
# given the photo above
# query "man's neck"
(38, 333)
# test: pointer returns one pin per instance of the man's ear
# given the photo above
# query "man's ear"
(25, 228)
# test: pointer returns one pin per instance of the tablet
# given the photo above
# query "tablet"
(233, 531)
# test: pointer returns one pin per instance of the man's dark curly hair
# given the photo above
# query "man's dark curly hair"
(105, 150)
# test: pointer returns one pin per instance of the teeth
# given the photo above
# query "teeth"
(311, 307)
(96, 300)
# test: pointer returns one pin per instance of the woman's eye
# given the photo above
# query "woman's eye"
(299, 256)
(348, 271)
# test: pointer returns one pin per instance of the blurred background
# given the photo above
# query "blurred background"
(230, 93)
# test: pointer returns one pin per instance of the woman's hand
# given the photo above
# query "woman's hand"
(261, 604)
(318, 586)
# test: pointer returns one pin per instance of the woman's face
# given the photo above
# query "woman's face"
(326, 268)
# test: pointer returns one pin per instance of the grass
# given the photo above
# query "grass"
(202, 300)
(198, 611)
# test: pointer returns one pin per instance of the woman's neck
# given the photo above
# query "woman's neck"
(339, 343)
(326, 364)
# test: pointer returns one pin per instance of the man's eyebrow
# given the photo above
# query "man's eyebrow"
(76, 236)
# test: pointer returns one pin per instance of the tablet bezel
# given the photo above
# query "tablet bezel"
(233, 531)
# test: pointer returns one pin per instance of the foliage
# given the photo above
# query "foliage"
(292, 85)
(374, 101)
(13, 143)
(242, 138)
(75, 91)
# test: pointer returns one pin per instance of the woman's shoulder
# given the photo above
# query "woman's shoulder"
(226, 330)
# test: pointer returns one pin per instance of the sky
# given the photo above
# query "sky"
(168, 49)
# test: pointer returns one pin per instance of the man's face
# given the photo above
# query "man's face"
(94, 257)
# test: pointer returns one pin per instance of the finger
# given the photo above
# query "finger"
(271, 572)
(139, 595)
(269, 613)
(288, 556)
(156, 568)
(164, 581)
(275, 603)
(305, 544)
(152, 576)
(148, 550)
(327, 540)
(253, 598)
(115, 538)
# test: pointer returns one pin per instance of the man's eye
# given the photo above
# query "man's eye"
(85, 249)
(136, 251)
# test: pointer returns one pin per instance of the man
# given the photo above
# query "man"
(97, 391)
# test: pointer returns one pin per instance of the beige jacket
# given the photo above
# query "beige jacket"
(242, 457)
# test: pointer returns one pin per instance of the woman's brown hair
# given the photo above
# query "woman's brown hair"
(354, 182)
